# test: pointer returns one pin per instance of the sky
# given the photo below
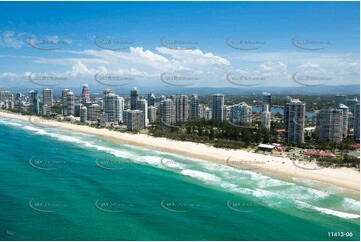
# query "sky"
(160, 44)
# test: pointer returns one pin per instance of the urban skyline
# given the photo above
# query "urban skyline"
(180, 121)
(135, 112)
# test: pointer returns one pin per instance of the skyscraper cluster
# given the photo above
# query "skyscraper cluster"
(332, 124)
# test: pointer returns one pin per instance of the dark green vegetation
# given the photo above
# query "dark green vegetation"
(221, 134)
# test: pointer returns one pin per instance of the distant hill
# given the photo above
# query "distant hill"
(303, 90)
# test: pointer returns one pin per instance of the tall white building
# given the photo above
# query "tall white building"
(113, 107)
(241, 113)
(135, 120)
(142, 105)
(119, 106)
(48, 97)
(167, 112)
(345, 111)
(93, 112)
(266, 118)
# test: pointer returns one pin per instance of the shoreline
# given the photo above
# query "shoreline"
(278, 167)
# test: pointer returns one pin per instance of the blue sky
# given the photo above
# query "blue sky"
(217, 51)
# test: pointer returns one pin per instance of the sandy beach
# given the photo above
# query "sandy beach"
(276, 166)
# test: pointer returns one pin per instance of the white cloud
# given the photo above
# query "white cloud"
(11, 40)
(278, 67)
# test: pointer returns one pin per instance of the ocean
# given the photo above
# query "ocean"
(61, 185)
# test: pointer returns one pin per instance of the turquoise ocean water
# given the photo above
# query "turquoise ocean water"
(61, 185)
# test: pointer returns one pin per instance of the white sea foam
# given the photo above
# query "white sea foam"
(317, 194)
(11, 123)
(327, 211)
(31, 128)
(260, 193)
(229, 178)
(319, 185)
(351, 204)
(201, 175)
(115, 152)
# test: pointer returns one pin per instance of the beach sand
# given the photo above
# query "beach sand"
(280, 167)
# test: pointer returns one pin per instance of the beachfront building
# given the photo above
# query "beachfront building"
(119, 106)
(83, 114)
(93, 112)
(294, 120)
(134, 97)
(10, 102)
(266, 118)
(34, 101)
(241, 113)
(7, 99)
(48, 97)
(167, 112)
(217, 107)
(70, 104)
(194, 112)
(329, 125)
(103, 119)
(356, 125)
(181, 107)
(142, 105)
(266, 101)
(345, 111)
(152, 114)
(113, 107)
(36, 109)
(135, 120)
(64, 93)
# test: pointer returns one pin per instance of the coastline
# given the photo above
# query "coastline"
(274, 166)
